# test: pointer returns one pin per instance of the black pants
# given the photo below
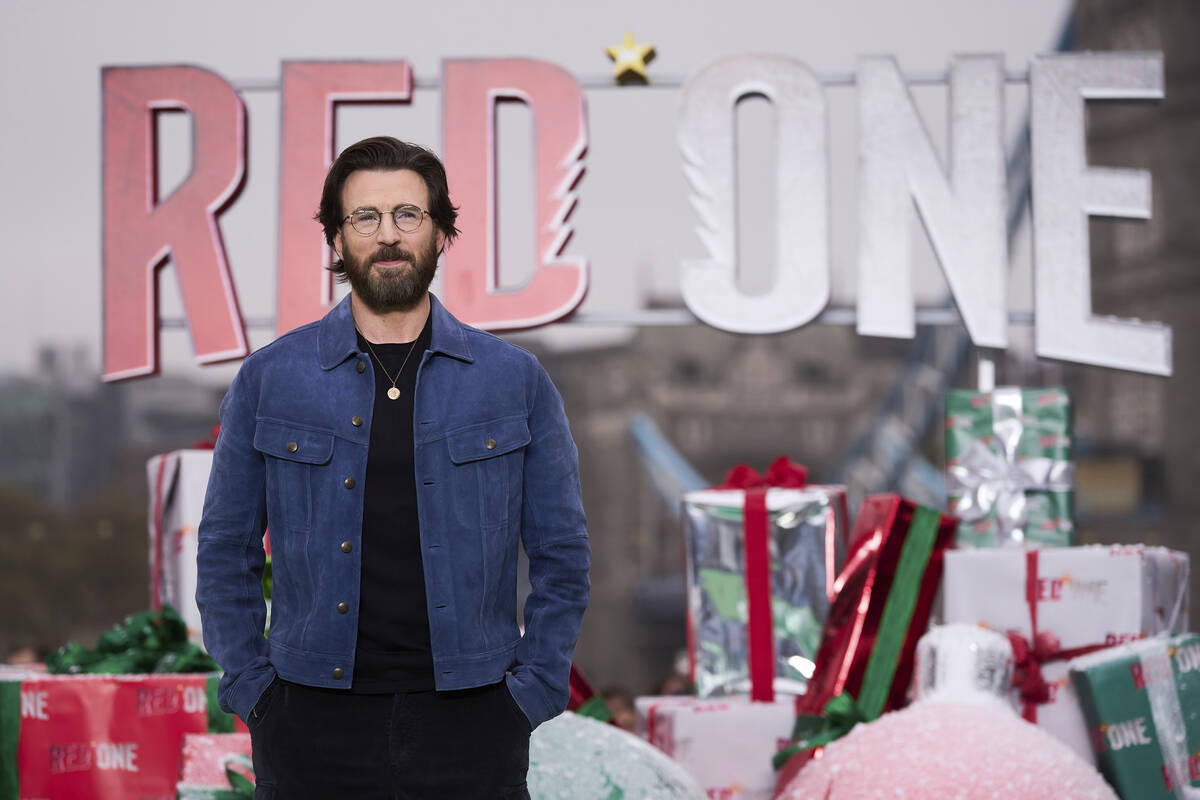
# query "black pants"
(328, 744)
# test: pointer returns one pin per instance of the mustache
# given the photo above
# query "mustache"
(390, 253)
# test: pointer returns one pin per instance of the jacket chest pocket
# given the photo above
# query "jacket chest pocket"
(292, 454)
(489, 457)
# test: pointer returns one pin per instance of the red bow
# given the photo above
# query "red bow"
(1028, 657)
(1027, 666)
(782, 474)
(211, 442)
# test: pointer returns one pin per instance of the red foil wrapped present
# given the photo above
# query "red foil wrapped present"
(883, 599)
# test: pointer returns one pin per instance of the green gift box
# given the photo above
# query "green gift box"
(1009, 473)
(1142, 705)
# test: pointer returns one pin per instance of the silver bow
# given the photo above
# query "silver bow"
(991, 478)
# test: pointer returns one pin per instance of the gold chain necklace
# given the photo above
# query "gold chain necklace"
(392, 393)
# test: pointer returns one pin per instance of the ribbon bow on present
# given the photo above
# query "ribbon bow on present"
(1028, 658)
(1030, 653)
(782, 474)
(994, 481)
(992, 477)
(836, 719)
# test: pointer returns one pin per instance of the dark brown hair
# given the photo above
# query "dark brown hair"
(385, 153)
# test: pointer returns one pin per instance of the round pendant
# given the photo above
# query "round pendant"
(393, 393)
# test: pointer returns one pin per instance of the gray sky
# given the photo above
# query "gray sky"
(633, 221)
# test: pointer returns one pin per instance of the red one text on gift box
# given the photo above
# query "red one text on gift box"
(1050, 589)
(106, 736)
(33, 705)
(1130, 733)
(1145, 672)
(1193, 772)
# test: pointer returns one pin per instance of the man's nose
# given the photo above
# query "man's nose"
(388, 233)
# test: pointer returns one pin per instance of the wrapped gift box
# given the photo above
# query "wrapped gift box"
(884, 599)
(1008, 466)
(208, 760)
(1142, 706)
(725, 743)
(803, 550)
(178, 482)
(102, 736)
(1059, 603)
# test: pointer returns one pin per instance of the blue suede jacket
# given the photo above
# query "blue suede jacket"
(494, 459)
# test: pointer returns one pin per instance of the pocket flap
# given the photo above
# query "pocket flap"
(295, 444)
(488, 439)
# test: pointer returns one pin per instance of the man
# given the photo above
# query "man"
(397, 455)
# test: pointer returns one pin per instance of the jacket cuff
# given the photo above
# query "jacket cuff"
(533, 697)
(239, 695)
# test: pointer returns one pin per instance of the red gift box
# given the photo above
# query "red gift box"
(862, 589)
(209, 759)
(101, 736)
(884, 596)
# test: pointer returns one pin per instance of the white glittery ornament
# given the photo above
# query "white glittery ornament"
(577, 758)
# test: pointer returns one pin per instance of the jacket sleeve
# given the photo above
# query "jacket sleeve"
(230, 556)
(554, 533)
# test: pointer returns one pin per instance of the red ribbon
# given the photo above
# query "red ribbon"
(581, 689)
(156, 536)
(1029, 656)
(211, 442)
(782, 474)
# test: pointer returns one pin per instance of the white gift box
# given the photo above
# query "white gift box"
(1084, 596)
(178, 482)
(725, 743)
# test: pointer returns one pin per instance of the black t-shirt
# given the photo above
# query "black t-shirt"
(393, 653)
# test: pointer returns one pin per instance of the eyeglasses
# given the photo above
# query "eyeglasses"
(366, 220)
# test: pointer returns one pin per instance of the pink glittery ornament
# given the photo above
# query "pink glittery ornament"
(948, 750)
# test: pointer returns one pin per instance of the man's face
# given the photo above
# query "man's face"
(389, 270)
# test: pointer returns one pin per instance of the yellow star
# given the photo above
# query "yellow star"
(631, 59)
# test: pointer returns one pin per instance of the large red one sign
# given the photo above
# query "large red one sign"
(962, 204)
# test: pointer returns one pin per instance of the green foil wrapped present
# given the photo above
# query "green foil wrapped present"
(1142, 704)
(1009, 473)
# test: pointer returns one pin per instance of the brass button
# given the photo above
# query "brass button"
(347, 547)
(343, 607)
(490, 444)
(349, 482)
(362, 367)
(338, 673)
(292, 447)
(356, 421)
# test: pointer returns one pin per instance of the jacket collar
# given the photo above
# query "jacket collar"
(336, 339)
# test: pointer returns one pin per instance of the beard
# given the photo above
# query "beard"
(398, 289)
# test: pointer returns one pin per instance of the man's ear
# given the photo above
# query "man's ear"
(441, 241)
(337, 244)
